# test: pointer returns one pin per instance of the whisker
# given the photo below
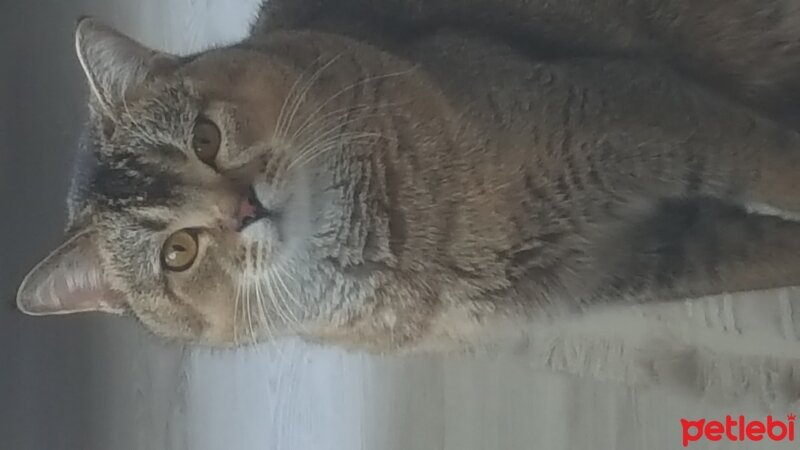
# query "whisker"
(274, 298)
(262, 306)
(337, 125)
(281, 297)
(264, 315)
(249, 303)
(355, 85)
(292, 278)
(236, 300)
(290, 96)
(260, 294)
(324, 135)
(337, 115)
(313, 153)
(300, 99)
(343, 111)
(284, 292)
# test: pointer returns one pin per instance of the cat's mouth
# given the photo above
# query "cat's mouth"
(251, 210)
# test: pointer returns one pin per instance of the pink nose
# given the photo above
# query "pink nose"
(247, 210)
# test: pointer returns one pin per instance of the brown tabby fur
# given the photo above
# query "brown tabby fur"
(747, 49)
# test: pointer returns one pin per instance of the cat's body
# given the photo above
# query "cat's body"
(579, 183)
(409, 200)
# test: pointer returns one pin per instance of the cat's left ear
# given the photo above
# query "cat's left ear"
(69, 280)
(115, 65)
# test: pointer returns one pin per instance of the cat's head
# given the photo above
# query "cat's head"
(210, 201)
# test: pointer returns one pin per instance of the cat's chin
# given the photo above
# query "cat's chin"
(290, 216)
(265, 231)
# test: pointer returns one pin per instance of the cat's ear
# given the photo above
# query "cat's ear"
(115, 64)
(69, 280)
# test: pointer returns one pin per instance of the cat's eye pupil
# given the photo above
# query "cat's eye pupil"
(180, 251)
(206, 140)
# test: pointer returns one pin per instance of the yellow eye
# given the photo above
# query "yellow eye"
(206, 140)
(179, 251)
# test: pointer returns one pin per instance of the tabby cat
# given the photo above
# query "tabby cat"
(391, 190)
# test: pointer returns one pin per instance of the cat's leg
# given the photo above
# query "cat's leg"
(640, 136)
(692, 248)
(649, 132)
(757, 168)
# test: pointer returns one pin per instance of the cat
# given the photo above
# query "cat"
(406, 196)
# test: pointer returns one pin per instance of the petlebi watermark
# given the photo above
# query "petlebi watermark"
(738, 429)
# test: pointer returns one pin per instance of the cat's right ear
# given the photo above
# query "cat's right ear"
(69, 280)
(114, 64)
